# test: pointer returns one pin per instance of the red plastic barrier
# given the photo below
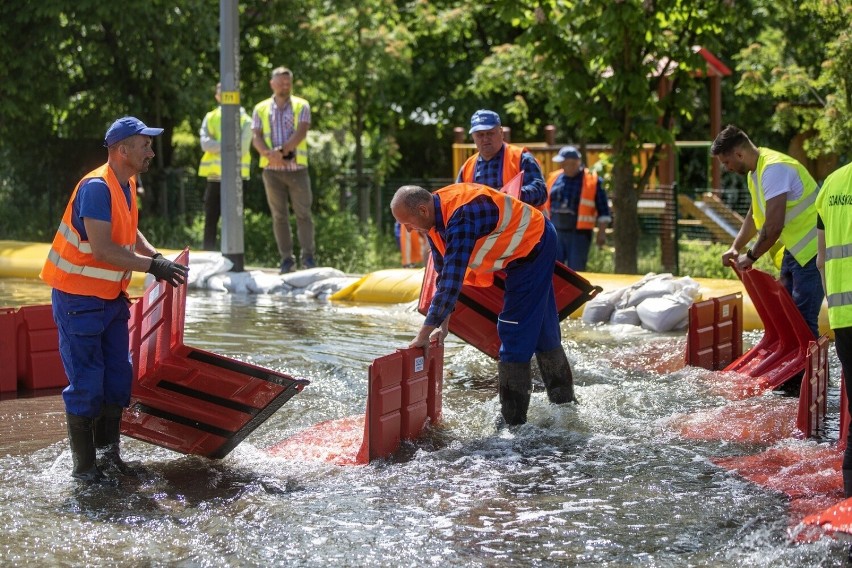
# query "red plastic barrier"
(8, 350)
(715, 335)
(780, 354)
(398, 402)
(814, 391)
(39, 363)
(845, 419)
(403, 395)
(474, 318)
(189, 400)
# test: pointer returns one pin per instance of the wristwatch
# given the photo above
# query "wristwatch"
(751, 256)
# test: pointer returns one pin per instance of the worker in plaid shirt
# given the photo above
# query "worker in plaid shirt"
(475, 231)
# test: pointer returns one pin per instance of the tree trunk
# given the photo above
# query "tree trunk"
(625, 216)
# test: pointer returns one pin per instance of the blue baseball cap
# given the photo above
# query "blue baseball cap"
(483, 120)
(126, 127)
(567, 153)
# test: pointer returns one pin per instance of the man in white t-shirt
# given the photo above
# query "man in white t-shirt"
(782, 216)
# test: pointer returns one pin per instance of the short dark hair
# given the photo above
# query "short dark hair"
(729, 140)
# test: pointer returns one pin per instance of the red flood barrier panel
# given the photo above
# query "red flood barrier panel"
(715, 335)
(39, 363)
(474, 318)
(186, 399)
(780, 354)
(404, 394)
(813, 394)
(8, 351)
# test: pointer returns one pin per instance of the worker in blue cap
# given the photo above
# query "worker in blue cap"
(496, 162)
(96, 249)
(578, 204)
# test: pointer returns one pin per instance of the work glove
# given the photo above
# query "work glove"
(165, 269)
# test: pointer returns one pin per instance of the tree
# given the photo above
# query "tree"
(601, 65)
(801, 64)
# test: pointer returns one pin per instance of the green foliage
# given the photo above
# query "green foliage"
(800, 66)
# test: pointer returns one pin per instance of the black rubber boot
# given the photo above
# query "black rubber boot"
(515, 386)
(557, 376)
(82, 442)
(107, 440)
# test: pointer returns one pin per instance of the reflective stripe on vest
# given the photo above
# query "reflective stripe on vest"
(70, 265)
(799, 233)
(211, 162)
(264, 109)
(519, 228)
(834, 205)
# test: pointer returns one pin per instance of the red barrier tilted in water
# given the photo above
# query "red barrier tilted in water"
(780, 354)
(186, 399)
(403, 396)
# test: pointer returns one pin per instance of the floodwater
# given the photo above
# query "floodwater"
(604, 483)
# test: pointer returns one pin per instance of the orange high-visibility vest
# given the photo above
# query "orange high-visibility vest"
(71, 266)
(511, 164)
(519, 228)
(410, 246)
(587, 213)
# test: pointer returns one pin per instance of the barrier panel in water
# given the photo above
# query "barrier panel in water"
(813, 394)
(845, 418)
(404, 394)
(186, 399)
(474, 318)
(780, 354)
(715, 335)
(8, 350)
(39, 363)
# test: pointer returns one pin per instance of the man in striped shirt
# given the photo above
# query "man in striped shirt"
(280, 126)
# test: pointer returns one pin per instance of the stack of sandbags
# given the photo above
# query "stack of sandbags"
(658, 302)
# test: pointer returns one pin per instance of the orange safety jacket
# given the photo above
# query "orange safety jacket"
(511, 164)
(587, 213)
(71, 266)
(519, 229)
(410, 246)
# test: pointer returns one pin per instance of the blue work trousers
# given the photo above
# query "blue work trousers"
(95, 348)
(805, 286)
(529, 322)
(574, 248)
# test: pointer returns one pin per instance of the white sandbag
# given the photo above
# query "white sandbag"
(261, 282)
(599, 309)
(216, 283)
(625, 316)
(203, 265)
(322, 289)
(664, 314)
(304, 278)
(653, 288)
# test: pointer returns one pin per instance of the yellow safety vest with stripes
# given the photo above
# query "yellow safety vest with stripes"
(264, 110)
(799, 233)
(211, 162)
(71, 265)
(834, 205)
(519, 229)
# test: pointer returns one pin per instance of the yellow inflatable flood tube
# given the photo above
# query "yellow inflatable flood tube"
(20, 259)
(402, 285)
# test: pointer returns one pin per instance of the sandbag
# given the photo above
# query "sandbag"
(625, 315)
(599, 309)
(304, 278)
(664, 314)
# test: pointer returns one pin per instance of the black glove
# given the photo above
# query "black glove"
(164, 269)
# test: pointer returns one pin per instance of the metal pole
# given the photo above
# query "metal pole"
(232, 183)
